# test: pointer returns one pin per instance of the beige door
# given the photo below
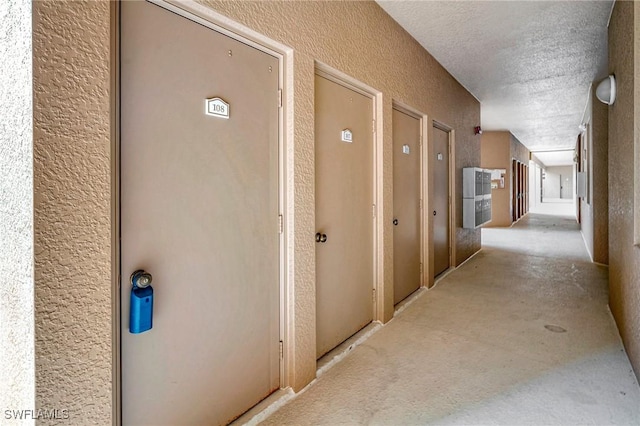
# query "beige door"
(406, 205)
(199, 211)
(440, 201)
(344, 213)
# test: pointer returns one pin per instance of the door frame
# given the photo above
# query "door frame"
(323, 70)
(452, 199)
(221, 24)
(424, 241)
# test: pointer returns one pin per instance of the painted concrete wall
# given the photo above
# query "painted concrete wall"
(361, 40)
(73, 171)
(72, 209)
(496, 150)
(551, 183)
(17, 388)
(594, 210)
(535, 185)
(624, 257)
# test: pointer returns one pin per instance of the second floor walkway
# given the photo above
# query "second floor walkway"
(519, 334)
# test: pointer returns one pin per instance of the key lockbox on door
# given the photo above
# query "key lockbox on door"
(141, 302)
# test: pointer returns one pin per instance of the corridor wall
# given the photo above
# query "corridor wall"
(624, 144)
(75, 172)
(594, 208)
(498, 149)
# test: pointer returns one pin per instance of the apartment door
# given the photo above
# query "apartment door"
(344, 212)
(520, 191)
(514, 190)
(407, 215)
(199, 212)
(440, 202)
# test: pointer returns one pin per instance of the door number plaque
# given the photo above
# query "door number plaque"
(347, 136)
(216, 107)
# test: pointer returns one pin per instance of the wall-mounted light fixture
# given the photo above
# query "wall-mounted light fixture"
(477, 130)
(582, 127)
(606, 90)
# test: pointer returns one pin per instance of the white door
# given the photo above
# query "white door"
(199, 212)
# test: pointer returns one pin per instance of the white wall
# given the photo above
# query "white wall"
(551, 183)
(17, 387)
(534, 185)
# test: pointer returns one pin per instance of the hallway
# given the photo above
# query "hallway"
(520, 334)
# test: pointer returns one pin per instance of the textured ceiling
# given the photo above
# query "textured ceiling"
(529, 63)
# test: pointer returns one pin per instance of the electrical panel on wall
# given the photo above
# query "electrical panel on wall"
(476, 197)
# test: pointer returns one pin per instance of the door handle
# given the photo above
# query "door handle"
(434, 212)
(395, 222)
(321, 238)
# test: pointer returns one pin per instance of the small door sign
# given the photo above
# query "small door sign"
(406, 149)
(347, 136)
(216, 107)
(439, 156)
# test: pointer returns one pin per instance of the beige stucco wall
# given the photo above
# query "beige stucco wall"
(496, 150)
(361, 40)
(624, 257)
(74, 167)
(519, 151)
(16, 217)
(499, 148)
(72, 209)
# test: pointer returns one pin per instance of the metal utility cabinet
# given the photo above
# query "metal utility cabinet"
(476, 194)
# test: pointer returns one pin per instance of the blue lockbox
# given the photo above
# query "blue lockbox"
(141, 310)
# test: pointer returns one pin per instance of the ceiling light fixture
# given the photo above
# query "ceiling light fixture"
(606, 90)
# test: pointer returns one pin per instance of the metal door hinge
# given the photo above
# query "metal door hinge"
(280, 224)
(421, 204)
(279, 98)
(374, 295)
(373, 211)
(373, 126)
(281, 350)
